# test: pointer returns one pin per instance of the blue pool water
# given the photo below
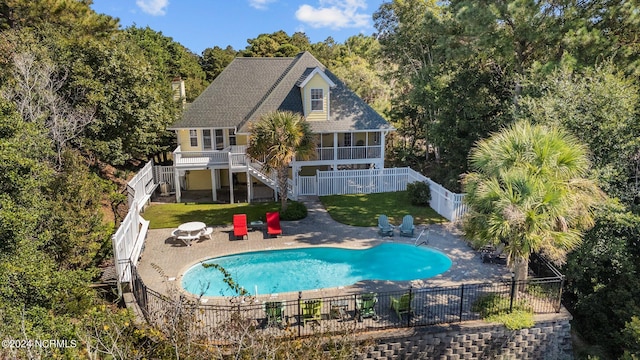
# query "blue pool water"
(276, 271)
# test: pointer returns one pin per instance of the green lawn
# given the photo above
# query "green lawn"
(171, 215)
(357, 210)
(363, 210)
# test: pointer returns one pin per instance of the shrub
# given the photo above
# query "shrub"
(495, 308)
(295, 211)
(419, 193)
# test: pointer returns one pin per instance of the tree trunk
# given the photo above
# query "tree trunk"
(521, 268)
(283, 176)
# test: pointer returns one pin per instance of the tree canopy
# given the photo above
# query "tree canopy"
(279, 137)
(528, 190)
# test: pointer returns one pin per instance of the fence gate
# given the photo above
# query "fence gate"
(307, 185)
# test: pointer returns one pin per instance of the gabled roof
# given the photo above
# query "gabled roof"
(250, 87)
(309, 73)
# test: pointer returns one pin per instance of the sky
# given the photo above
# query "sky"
(201, 24)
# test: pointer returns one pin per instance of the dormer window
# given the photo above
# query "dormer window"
(316, 100)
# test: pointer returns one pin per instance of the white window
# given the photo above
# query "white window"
(206, 139)
(193, 137)
(219, 139)
(213, 139)
(316, 100)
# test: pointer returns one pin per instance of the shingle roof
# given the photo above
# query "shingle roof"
(251, 87)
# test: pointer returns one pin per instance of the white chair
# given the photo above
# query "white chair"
(207, 232)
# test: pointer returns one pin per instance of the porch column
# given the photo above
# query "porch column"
(231, 199)
(382, 136)
(335, 147)
(214, 191)
(294, 180)
(176, 179)
(249, 187)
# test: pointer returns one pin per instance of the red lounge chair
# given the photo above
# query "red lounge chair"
(240, 225)
(273, 223)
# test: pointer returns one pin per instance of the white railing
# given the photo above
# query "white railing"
(164, 174)
(128, 242)
(238, 159)
(307, 185)
(234, 155)
(446, 203)
(206, 157)
(361, 181)
(140, 188)
(349, 152)
(270, 179)
(359, 152)
(324, 154)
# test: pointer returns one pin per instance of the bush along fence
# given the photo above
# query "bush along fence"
(299, 315)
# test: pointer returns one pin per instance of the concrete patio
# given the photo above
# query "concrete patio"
(164, 259)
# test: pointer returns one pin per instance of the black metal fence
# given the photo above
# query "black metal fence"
(301, 316)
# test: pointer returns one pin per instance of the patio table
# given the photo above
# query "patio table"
(193, 229)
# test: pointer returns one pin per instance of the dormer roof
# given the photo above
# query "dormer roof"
(308, 75)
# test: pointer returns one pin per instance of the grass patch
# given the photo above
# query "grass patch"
(495, 308)
(163, 216)
(364, 209)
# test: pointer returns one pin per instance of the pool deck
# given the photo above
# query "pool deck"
(165, 259)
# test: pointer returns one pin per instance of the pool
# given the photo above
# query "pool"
(276, 271)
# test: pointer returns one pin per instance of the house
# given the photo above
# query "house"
(212, 134)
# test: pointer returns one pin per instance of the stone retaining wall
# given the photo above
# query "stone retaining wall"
(550, 338)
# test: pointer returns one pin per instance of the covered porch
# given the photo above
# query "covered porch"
(222, 185)
(261, 193)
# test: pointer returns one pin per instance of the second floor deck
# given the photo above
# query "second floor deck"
(236, 156)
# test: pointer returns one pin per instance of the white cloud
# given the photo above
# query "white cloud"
(260, 4)
(153, 7)
(335, 14)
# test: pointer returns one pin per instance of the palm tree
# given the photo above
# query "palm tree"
(529, 191)
(279, 137)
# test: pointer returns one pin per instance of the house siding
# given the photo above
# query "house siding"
(316, 82)
(199, 180)
(185, 143)
(242, 139)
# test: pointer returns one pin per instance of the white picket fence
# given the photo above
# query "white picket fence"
(446, 203)
(140, 188)
(128, 240)
(165, 174)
